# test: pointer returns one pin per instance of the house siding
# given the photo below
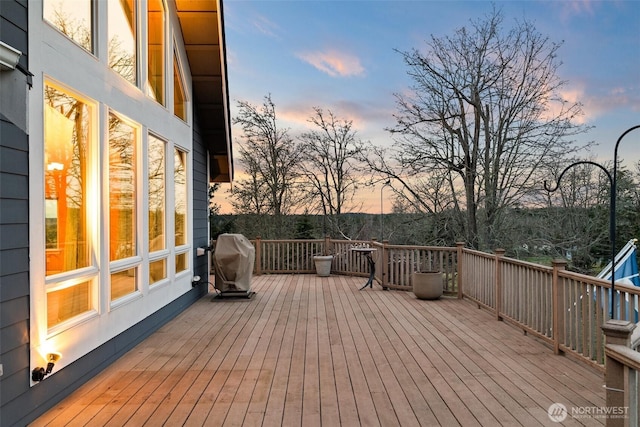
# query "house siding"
(200, 204)
(14, 226)
(13, 25)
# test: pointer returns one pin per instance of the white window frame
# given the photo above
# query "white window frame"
(58, 59)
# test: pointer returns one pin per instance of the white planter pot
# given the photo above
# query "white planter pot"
(323, 264)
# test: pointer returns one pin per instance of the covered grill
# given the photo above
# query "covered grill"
(233, 260)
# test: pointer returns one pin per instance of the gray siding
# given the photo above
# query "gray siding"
(200, 202)
(13, 25)
(14, 229)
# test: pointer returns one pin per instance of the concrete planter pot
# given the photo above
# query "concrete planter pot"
(427, 285)
(323, 264)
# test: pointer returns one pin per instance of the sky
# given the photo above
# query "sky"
(343, 56)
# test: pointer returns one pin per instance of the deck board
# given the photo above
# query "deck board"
(316, 351)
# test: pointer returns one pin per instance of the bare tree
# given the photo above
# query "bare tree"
(250, 195)
(484, 114)
(214, 207)
(330, 152)
(270, 157)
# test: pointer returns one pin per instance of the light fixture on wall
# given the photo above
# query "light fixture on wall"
(52, 358)
(9, 57)
(39, 373)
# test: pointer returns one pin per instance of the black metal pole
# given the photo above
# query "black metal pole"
(612, 211)
(612, 219)
(382, 210)
(381, 215)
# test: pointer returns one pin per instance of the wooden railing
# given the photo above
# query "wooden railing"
(394, 263)
(346, 261)
(622, 373)
(286, 256)
(565, 309)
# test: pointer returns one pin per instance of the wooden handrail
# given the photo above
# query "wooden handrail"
(635, 338)
(625, 355)
(621, 374)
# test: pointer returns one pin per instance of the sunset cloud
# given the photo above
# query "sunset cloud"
(596, 103)
(265, 26)
(334, 63)
(576, 7)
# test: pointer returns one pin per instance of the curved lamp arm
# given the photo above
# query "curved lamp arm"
(583, 162)
(612, 219)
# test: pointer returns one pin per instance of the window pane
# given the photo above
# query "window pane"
(122, 38)
(155, 49)
(179, 104)
(122, 189)
(67, 130)
(123, 283)
(180, 183)
(71, 18)
(157, 271)
(181, 262)
(157, 183)
(67, 303)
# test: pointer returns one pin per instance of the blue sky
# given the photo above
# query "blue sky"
(341, 55)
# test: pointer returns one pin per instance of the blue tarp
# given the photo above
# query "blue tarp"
(626, 272)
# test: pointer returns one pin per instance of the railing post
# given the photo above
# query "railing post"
(616, 332)
(258, 261)
(558, 305)
(376, 258)
(498, 294)
(460, 254)
(327, 245)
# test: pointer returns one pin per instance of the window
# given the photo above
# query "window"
(155, 50)
(122, 189)
(180, 186)
(66, 303)
(71, 18)
(121, 27)
(67, 143)
(67, 130)
(108, 201)
(181, 262)
(179, 101)
(68, 123)
(157, 184)
(157, 271)
(123, 283)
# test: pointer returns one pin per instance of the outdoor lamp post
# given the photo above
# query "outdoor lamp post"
(612, 214)
(382, 210)
(612, 207)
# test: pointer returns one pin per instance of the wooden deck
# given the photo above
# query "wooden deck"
(317, 351)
